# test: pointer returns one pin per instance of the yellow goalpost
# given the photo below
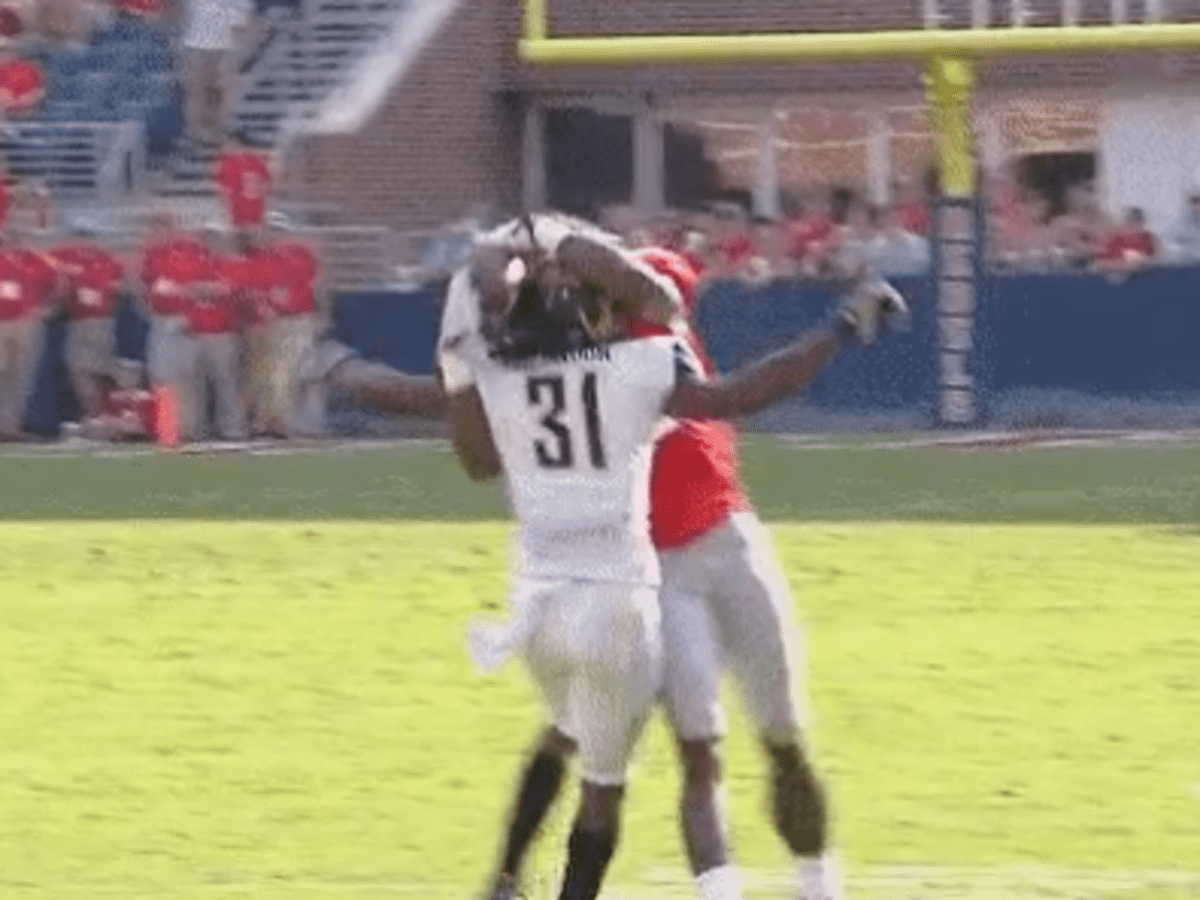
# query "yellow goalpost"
(949, 57)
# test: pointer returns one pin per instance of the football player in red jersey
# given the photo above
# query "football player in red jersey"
(21, 339)
(93, 277)
(214, 315)
(171, 259)
(29, 290)
(725, 597)
(299, 306)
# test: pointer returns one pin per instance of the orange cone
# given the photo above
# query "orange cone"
(166, 418)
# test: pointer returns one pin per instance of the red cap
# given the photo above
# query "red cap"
(675, 267)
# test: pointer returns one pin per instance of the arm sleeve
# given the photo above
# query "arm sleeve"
(460, 323)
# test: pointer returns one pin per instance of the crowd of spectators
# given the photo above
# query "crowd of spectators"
(837, 234)
(231, 308)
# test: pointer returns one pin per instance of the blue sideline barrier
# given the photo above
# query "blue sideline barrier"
(1084, 333)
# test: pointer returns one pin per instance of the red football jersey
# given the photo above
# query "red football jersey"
(694, 483)
(94, 276)
(217, 312)
(27, 282)
(299, 270)
(245, 180)
(22, 85)
(167, 267)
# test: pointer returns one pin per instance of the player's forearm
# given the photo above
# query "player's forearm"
(471, 435)
(386, 390)
(625, 280)
(762, 383)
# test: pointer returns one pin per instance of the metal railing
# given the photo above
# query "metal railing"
(77, 160)
(354, 257)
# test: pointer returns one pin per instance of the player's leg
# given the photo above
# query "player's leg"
(181, 364)
(618, 655)
(756, 613)
(10, 424)
(691, 694)
(231, 412)
(541, 780)
(539, 786)
(30, 345)
(90, 353)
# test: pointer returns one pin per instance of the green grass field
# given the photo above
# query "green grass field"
(244, 676)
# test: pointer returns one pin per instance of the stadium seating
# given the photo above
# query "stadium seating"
(130, 61)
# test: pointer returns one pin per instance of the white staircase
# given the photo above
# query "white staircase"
(302, 61)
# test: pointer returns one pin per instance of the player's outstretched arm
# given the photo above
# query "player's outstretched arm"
(789, 371)
(385, 389)
(635, 289)
(373, 384)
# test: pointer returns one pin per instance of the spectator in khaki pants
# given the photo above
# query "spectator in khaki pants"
(213, 321)
(301, 310)
(214, 37)
(261, 288)
(22, 332)
(170, 259)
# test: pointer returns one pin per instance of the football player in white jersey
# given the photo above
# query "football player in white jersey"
(533, 375)
(542, 389)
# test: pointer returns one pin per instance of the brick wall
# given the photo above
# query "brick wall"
(448, 139)
(444, 142)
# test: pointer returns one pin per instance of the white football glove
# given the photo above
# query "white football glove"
(872, 304)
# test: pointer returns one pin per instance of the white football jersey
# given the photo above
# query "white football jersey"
(576, 436)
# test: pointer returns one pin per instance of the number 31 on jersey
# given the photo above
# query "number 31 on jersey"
(562, 413)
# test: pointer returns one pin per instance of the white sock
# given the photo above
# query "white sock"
(721, 883)
(821, 878)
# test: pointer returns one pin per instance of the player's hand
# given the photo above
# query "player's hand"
(872, 305)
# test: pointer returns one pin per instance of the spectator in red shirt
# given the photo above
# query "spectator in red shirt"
(27, 291)
(913, 209)
(22, 86)
(93, 279)
(1130, 246)
(733, 239)
(213, 319)
(173, 260)
(811, 238)
(245, 178)
(298, 309)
